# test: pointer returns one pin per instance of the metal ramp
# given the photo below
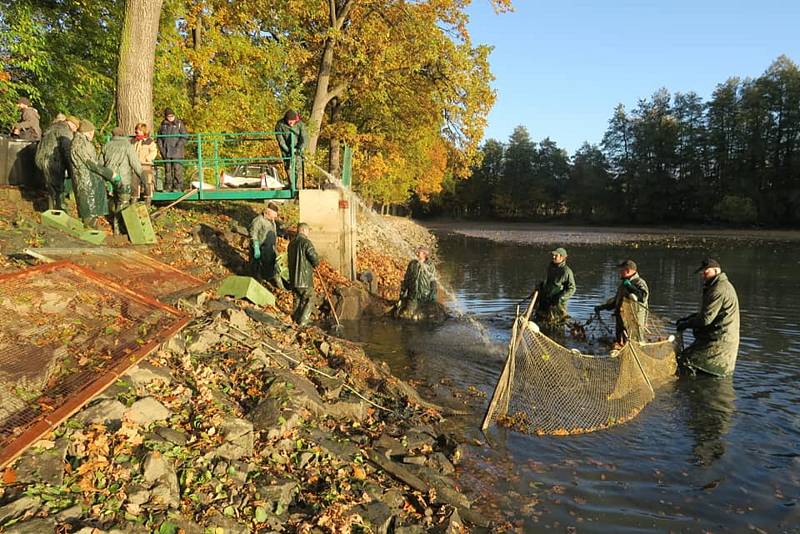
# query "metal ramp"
(132, 269)
(66, 334)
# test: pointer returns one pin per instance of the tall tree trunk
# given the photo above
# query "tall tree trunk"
(322, 93)
(137, 52)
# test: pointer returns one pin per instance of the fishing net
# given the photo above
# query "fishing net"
(546, 388)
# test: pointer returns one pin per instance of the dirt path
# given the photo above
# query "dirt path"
(542, 233)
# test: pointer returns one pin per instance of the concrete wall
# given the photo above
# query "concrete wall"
(331, 214)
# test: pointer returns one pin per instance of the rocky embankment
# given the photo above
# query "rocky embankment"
(243, 423)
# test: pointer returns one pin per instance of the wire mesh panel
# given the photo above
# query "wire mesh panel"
(67, 333)
(547, 388)
(132, 269)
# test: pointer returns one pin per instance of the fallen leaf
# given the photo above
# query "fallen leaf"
(9, 476)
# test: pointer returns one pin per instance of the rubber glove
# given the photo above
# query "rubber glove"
(256, 250)
(597, 309)
(627, 283)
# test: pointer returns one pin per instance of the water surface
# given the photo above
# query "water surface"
(706, 455)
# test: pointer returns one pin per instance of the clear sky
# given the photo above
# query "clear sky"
(562, 65)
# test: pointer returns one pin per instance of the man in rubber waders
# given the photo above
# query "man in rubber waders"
(419, 285)
(264, 235)
(303, 260)
(556, 290)
(715, 326)
(632, 290)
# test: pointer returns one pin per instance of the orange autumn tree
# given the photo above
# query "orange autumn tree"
(400, 82)
(390, 77)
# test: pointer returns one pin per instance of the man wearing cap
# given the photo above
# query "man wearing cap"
(419, 285)
(28, 127)
(633, 289)
(555, 291)
(291, 134)
(52, 158)
(716, 325)
(172, 137)
(120, 156)
(264, 235)
(88, 176)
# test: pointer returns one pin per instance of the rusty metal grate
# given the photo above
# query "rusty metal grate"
(67, 333)
(132, 269)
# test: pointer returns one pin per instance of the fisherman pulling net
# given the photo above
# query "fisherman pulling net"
(546, 388)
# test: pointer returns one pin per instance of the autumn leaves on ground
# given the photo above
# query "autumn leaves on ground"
(241, 423)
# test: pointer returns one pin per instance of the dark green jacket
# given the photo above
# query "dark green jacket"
(638, 288)
(716, 329)
(419, 282)
(89, 186)
(120, 156)
(286, 135)
(558, 287)
(303, 260)
(52, 154)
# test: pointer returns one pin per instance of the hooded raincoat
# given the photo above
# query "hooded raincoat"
(89, 184)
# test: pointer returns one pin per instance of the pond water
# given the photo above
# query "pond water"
(705, 455)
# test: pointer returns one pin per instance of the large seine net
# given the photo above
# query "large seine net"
(547, 388)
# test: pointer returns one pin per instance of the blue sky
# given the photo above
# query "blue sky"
(562, 65)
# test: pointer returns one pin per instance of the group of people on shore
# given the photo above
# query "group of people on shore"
(108, 181)
(715, 326)
(123, 171)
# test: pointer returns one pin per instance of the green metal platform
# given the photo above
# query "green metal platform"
(210, 154)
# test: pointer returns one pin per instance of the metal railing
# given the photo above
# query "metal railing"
(211, 156)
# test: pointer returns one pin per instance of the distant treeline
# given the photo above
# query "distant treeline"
(673, 159)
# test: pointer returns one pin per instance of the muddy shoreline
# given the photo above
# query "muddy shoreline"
(547, 233)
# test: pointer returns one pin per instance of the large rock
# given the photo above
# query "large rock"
(159, 472)
(376, 516)
(239, 439)
(44, 465)
(19, 508)
(351, 302)
(287, 393)
(147, 410)
(34, 526)
(176, 344)
(204, 342)
(105, 411)
(144, 374)
(278, 495)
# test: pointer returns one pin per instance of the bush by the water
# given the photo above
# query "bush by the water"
(736, 210)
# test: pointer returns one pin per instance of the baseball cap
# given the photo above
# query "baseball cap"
(708, 263)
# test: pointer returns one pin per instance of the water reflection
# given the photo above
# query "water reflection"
(712, 402)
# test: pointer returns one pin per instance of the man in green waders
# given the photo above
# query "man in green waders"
(556, 290)
(632, 287)
(715, 326)
(419, 285)
(89, 177)
(119, 156)
(303, 260)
